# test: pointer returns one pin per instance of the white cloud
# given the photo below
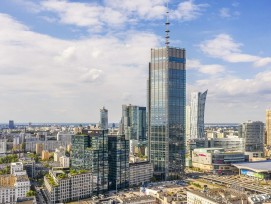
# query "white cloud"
(228, 13)
(144, 9)
(47, 73)
(187, 10)
(225, 13)
(211, 69)
(92, 75)
(232, 86)
(84, 14)
(114, 13)
(224, 47)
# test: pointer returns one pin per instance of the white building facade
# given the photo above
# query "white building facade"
(197, 109)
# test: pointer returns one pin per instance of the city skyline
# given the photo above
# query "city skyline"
(60, 67)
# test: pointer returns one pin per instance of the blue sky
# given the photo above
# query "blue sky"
(62, 60)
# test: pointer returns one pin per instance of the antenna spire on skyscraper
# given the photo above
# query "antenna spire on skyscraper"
(167, 26)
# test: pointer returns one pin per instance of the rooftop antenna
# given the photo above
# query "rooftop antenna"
(167, 26)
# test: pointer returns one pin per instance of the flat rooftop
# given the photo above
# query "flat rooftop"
(259, 166)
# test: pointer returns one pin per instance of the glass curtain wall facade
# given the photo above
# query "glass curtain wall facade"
(90, 152)
(197, 106)
(118, 158)
(166, 112)
(104, 118)
(253, 134)
(133, 122)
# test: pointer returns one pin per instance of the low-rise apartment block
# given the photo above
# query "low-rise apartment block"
(140, 172)
(64, 186)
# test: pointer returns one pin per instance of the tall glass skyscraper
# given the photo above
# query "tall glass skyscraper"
(197, 109)
(104, 118)
(133, 122)
(166, 111)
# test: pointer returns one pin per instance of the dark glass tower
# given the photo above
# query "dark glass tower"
(166, 111)
(118, 160)
(90, 152)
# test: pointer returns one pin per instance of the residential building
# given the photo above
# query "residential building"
(253, 134)
(197, 109)
(268, 127)
(50, 145)
(7, 189)
(90, 152)
(118, 162)
(3, 146)
(39, 148)
(187, 123)
(59, 152)
(29, 166)
(13, 187)
(16, 167)
(64, 161)
(140, 173)
(104, 118)
(216, 160)
(166, 112)
(65, 186)
(64, 136)
(45, 155)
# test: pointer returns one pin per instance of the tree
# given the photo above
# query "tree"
(30, 193)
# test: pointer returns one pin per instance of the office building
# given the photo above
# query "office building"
(90, 152)
(229, 144)
(104, 118)
(140, 173)
(166, 111)
(118, 162)
(194, 144)
(253, 134)
(11, 124)
(268, 127)
(216, 160)
(197, 108)
(65, 186)
(133, 122)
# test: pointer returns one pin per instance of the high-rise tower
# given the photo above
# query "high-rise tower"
(133, 122)
(166, 110)
(197, 109)
(268, 127)
(104, 118)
